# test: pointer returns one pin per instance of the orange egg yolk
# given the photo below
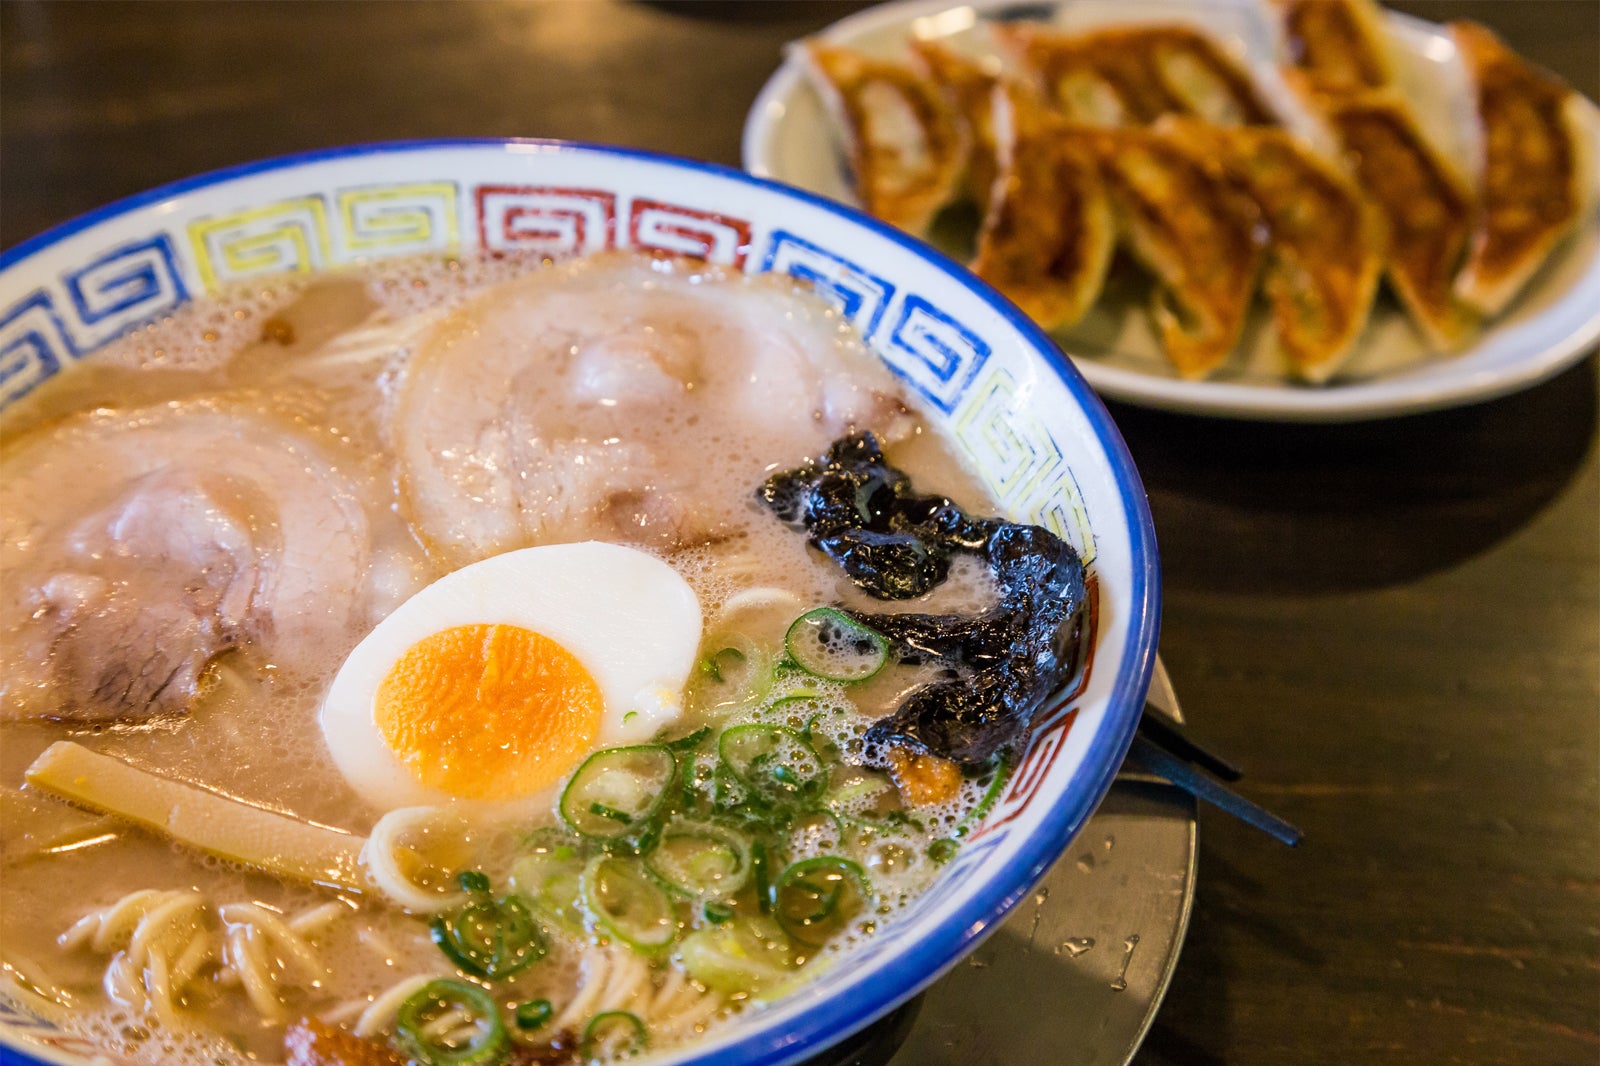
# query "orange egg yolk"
(488, 712)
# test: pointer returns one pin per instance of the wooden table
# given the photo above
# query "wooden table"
(1395, 627)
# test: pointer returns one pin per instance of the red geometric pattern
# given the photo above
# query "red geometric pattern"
(547, 219)
(1091, 633)
(680, 230)
(1050, 728)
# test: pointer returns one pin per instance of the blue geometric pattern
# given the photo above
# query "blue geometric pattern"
(935, 354)
(33, 346)
(859, 293)
(125, 287)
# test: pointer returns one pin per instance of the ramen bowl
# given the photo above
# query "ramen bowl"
(1003, 395)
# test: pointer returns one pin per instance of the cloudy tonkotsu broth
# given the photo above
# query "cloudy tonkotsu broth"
(429, 415)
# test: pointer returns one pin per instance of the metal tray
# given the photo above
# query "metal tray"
(1076, 974)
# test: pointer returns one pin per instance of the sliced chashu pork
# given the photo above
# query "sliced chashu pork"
(138, 545)
(622, 398)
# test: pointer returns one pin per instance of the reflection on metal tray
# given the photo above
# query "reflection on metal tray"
(1078, 970)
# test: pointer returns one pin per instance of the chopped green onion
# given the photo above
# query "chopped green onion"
(942, 851)
(741, 955)
(815, 899)
(869, 785)
(758, 863)
(828, 643)
(613, 1033)
(774, 763)
(488, 1044)
(534, 1013)
(819, 831)
(689, 741)
(716, 913)
(490, 938)
(700, 859)
(550, 880)
(793, 709)
(614, 797)
(606, 812)
(997, 784)
(712, 664)
(623, 902)
(737, 673)
(473, 881)
(892, 823)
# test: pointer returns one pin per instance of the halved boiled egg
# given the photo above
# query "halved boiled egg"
(494, 682)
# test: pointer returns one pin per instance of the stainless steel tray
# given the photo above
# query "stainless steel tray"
(1076, 974)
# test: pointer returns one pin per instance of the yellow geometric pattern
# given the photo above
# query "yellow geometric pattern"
(1019, 461)
(299, 235)
(399, 219)
(290, 236)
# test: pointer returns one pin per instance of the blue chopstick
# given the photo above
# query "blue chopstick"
(1154, 758)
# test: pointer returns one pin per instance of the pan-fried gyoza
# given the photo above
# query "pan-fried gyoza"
(1321, 139)
(1535, 169)
(1048, 234)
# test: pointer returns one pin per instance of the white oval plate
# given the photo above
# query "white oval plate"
(789, 136)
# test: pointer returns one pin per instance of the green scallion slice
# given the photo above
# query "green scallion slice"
(492, 938)
(613, 1034)
(734, 673)
(617, 792)
(484, 1043)
(1001, 772)
(815, 899)
(625, 903)
(700, 859)
(774, 763)
(551, 882)
(534, 1014)
(828, 643)
(739, 955)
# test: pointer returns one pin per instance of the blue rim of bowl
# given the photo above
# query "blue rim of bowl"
(911, 971)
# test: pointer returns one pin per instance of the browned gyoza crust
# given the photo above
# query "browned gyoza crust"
(1189, 227)
(902, 183)
(1425, 205)
(1326, 245)
(968, 86)
(1135, 74)
(1338, 45)
(1048, 233)
(1532, 177)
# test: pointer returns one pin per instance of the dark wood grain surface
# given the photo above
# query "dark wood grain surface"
(1395, 626)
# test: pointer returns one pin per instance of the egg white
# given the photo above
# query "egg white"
(627, 617)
